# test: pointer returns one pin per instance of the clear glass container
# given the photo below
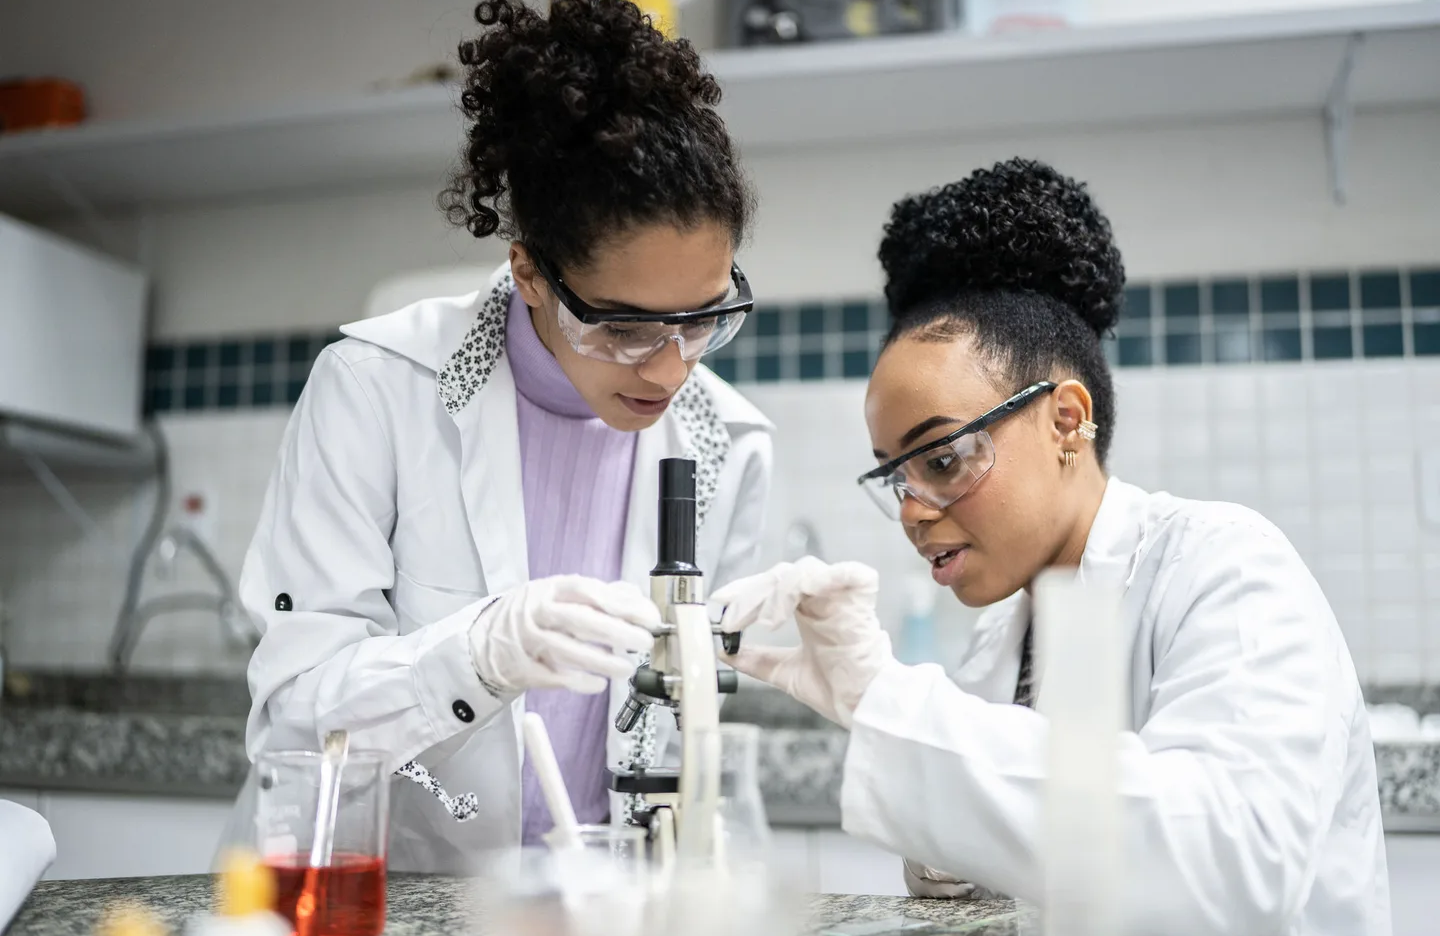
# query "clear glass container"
(350, 891)
(742, 833)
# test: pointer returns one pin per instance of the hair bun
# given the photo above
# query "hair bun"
(1018, 226)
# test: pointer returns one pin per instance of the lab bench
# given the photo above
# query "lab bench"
(424, 905)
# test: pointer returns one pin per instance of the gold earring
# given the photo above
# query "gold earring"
(1067, 458)
(1086, 430)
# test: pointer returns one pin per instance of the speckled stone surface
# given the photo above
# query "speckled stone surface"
(103, 734)
(420, 905)
(837, 914)
(176, 755)
(415, 904)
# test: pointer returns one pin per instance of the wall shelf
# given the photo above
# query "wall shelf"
(777, 98)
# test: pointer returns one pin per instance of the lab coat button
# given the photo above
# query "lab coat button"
(283, 602)
(463, 711)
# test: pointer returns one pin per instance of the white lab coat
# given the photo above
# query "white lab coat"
(388, 523)
(1249, 795)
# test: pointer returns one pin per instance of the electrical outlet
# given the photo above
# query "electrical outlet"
(197, 510)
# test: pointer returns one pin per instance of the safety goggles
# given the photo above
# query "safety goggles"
(632, 336)
(939, 473)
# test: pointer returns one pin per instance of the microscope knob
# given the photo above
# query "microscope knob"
(731, 642)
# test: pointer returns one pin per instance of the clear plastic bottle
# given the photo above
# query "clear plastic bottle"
(917, 628)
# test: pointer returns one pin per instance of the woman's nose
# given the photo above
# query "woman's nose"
(665, 367)
(914, 511)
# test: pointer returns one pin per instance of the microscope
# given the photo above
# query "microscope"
(681, 807)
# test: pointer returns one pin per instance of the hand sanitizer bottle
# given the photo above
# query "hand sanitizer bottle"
(917, 629)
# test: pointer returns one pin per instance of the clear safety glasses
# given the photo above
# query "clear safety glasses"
(632, 336)
(939, 473)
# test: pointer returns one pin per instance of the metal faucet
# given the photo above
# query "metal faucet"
(134, 616)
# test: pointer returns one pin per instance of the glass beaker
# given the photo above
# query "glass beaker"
(350, 892)
(624, 846)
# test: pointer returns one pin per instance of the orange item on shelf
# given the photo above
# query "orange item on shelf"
(31, 103)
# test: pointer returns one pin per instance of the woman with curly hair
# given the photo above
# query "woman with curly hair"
(466, 494)
(1247, 776)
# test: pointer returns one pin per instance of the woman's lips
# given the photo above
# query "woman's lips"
(946, 567)
(643, 407)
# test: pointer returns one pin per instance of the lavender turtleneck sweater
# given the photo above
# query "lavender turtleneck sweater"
(576, 480)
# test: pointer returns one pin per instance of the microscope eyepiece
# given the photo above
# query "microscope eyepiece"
(676, 533)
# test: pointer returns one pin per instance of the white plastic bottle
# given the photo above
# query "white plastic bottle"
(917, 628)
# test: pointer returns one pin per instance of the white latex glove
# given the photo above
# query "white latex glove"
(563, 632)
(924, 881)
(842, 646)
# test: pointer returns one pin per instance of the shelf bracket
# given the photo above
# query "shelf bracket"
(1339, 115)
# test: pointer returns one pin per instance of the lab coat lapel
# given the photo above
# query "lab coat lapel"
(490, 480)
(1112, 553)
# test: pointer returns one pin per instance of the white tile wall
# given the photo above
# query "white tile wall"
(1329, 452)
(63, 588)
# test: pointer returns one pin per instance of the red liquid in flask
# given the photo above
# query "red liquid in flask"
(350, 894)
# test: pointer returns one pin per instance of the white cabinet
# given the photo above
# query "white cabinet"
(1414, 862)
(74, 326)
(100, 836)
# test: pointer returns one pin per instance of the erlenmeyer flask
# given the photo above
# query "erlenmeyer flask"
(742, 831)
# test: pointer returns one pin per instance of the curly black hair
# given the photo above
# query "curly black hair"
(584, 123)
(1018, 258)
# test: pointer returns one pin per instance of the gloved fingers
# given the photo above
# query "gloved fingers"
(750, 601)
(594, 626)
(824, 588)
(921, 881)
(617, 599)
(561, 651)
(751, 588)
(762, 663)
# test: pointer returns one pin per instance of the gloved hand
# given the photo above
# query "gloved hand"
(842, 646)
(566, 632)
(923, 881)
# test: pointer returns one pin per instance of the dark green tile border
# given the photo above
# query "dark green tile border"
(1277, 317)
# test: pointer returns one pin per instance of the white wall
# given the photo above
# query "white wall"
(1223, 198)
(1186, 200)
(1288, 440)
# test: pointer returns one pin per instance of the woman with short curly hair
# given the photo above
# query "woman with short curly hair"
(1247, 793)
(466, 494)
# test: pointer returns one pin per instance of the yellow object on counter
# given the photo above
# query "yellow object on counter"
(244, 901)
(663, 15)
(130, 919)
(246, 886)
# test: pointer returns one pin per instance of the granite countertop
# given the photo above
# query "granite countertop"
(185, 737)
(421, 905)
